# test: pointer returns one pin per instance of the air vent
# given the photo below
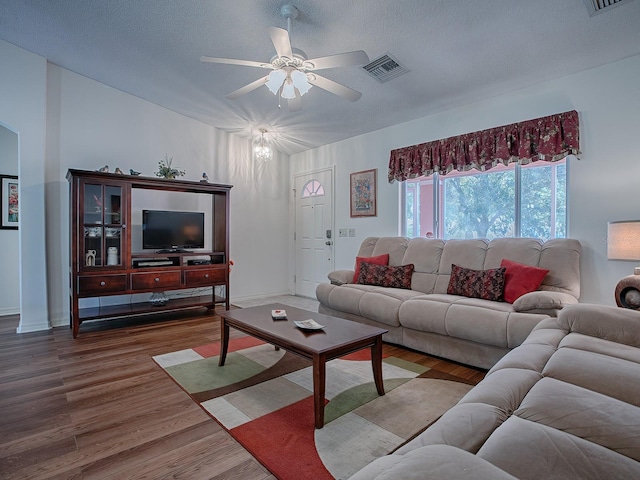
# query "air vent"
(385, 68)
(599, 6)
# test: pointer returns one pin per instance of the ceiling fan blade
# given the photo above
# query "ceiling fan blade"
(347, 59)
(247, 88)
(295, 104)
(281, 41)
(231, 61)
(335, 88)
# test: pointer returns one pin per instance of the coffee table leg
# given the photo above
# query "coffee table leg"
(224, 341)
(376, 363)
(319, 379)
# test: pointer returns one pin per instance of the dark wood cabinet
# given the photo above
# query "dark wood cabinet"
(102, 262)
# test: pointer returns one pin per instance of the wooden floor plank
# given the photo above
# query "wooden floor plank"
(98, 407)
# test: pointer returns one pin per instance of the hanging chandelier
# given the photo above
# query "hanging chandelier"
(262, 151)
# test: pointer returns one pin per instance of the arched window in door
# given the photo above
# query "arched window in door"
(313, 188)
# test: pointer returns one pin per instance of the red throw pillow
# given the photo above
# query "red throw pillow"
(521, 279)
(485, 284)
(379, 260)
(385, 276)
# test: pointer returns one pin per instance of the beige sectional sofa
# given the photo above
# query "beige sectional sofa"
(473, 331)
(563, 405)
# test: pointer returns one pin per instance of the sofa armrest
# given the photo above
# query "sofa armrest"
(544, 301)
(340, 277)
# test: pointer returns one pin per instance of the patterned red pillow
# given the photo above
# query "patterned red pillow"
(378, 260)
(485, 284)
(384, 276)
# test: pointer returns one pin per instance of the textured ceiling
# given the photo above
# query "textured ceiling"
(457, 51)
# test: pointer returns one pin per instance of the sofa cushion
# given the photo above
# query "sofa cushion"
(521, 279)
(530, 450)
(435, 462)
(377, 260)
(385, 276)
(485, 284)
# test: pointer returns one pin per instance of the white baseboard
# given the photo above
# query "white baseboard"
(9, 311)
(260, 295)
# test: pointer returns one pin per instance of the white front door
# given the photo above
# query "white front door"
(314, 230)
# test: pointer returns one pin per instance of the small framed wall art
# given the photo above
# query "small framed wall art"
(363, 193)
(9, 201)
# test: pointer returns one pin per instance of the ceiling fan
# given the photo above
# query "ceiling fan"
(292, 74)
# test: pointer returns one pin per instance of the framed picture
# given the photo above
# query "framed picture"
(364, 193)
(9, 201)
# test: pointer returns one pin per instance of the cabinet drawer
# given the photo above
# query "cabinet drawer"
(204, 277)
(145, 281)
(102, 284)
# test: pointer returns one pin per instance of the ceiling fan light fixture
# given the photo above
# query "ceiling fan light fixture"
(291, 71)
(275, 79)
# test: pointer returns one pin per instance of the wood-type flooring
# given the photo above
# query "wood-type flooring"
(98, 407)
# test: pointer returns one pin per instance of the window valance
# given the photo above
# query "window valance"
(549, 138)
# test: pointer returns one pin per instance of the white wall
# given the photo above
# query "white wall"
(91, 125)
(9, 285)
(603, 185)
(22, 110)
(64, 120)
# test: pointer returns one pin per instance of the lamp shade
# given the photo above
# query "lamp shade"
(288, 91)
(300, 81)
(623, 240)
(275, 80)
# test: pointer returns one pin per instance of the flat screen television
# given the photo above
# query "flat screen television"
(172, 231)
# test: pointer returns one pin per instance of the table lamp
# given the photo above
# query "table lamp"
(623, 243)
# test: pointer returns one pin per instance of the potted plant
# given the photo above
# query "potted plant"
(165, 169)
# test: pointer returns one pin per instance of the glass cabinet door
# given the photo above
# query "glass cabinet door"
(102, 224)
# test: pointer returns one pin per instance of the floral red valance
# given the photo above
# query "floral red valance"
(549, 138)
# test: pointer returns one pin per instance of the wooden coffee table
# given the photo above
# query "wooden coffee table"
(339, 337)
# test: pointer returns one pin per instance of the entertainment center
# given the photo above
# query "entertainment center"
(102, 260)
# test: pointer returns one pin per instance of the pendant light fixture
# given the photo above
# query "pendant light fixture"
(262, 150)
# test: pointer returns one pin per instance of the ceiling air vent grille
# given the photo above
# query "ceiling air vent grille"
(385, 68)
(599, 6)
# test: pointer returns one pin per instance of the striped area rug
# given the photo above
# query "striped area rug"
(264, 398)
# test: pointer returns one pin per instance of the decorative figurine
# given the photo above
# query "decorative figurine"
(133, 172)
(104, 169)
(90, 258)
(205, 177)
(118, 171)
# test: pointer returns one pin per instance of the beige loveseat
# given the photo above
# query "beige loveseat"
(473, 331)
(563, 405)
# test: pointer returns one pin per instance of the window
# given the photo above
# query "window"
(506, 201)
(312, 188)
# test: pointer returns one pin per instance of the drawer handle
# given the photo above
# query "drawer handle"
(157, 279)
(206, 275)
(103, 283)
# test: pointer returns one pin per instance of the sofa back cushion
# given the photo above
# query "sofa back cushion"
(394, 246)
(424, 254)
(465, 253)
(432, 259)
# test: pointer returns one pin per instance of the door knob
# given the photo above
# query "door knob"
(328, 242)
